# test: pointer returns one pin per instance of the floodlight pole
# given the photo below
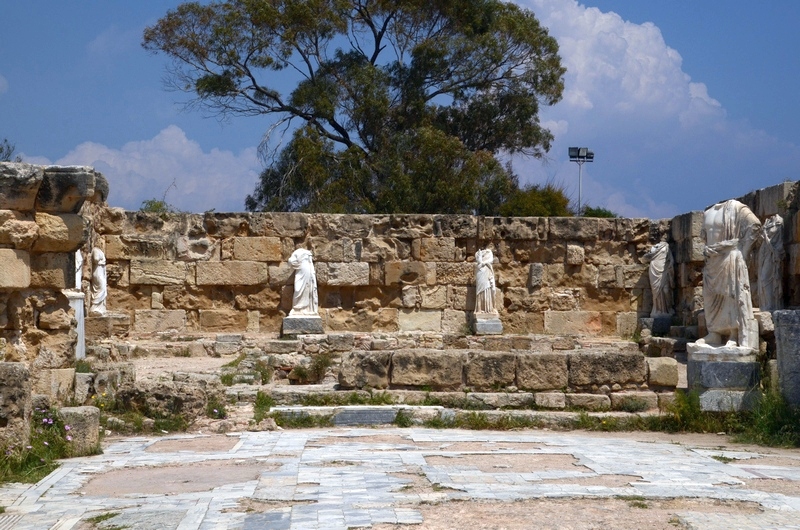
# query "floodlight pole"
(580, 155)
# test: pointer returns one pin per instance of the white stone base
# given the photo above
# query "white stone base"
(487, 324)
(302, 325)
(694, 347)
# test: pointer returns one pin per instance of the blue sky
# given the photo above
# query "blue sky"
(683, 102)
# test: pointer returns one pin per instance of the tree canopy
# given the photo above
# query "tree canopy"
(396, 105)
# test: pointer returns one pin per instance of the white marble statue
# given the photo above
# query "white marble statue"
(99, 287)
(485, 288)
(662, 278)
(78, 270)
(305, 299)
(730, 229)
(770, 265)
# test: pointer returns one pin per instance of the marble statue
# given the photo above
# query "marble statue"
(305, 299)
(729, 229)
(78, 269)
(770, 265)
(485, 288)
(662, 278)
(99, 287)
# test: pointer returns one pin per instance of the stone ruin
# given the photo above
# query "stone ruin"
(396, 296)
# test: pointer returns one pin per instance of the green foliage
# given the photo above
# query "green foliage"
(548, 200)
(226, 379)
(403, 419)
(772, 422)
(410, 115)
(302, 420)
(262, 406)
(215, 408)
(50, 440)
(83, 366)
(589, 211)
(633, 404)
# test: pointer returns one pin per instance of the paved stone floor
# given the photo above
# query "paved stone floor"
(342, 478)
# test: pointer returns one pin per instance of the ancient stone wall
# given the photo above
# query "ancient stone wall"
(228, 272)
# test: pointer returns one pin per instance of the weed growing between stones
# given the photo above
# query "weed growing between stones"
(772, 422)
(262, 406)
(403, 419)
(301, 420)
(215, 408)
(346, 398)
(50, 440)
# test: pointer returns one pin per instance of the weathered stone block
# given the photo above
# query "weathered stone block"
(662, 372)
(550, 400)
(18, 229)
(222, 320)
(56, 384)
(437, 249)
(59, 232)
(772, 200)
(436, 369)
(634, 401)
(734, 374)
(84, 428)
(689, 251)
(724, 400)
(484, 324)
(606, 368)
(510, 228)
(365, 369)
(574, 228)
(15, 397)
(124, 247)
(65, 188)
(588, 401)
(542, 371)
(575, 255)
(289, 224)
(454, 321)
(301, 325)
(154, 321)
(487, 371)
(787, 345)
(420, 320)
(16, 267)
(627, 324)
(157, 272)
(231, 273)
(346, 274)
(687, 226)
(405, 272)
(19, 184)
(54, 270)
(572, 323)
(257, 249)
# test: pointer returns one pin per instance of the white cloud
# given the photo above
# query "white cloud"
(112, 42)
(659, 138)
(3, 85)
(143, 170)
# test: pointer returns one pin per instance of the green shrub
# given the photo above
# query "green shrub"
(262, 406)
(215, 408)
(50, 440)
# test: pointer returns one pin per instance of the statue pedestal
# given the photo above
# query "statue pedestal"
(487, 324)
(727, 377)
(301, 325)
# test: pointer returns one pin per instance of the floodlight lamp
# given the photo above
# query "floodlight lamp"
(573, 152)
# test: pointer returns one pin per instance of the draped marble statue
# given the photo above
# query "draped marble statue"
(305, 300)
(770, 265)
(99, 287)
(485, 288)
(78, 270)
(662, 278)
(729, 229)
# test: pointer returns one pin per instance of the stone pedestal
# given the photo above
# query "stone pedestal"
(787, 347)
(659, 326)
(487, 324)
(726, 377)
(301, 325)
(106, 326)
(76, 301)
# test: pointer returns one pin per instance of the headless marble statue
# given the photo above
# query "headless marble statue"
(770, 265)
(305, 299)
(730, 229)
(485, 288)
(99, 287)
(662, 278)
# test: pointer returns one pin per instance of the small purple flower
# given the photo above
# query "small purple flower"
(29, 447)
(44, 420)
(46, 443)
(216, 411)
(69, 438)
(67, 427)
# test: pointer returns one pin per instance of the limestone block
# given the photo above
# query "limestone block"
(290, 224)
(157, 272)
(455, 273)
(405, 272)
(687, 226)
(384, 249)
(83, 385)
(384, 319)
(606, 368)
(511, 228)
(572, 323)
(535, 275)
(635, 276)
(627, 324)
(410, 320)
(257, 249)
(280, 274)
(793, 251)
(632, 401)
(724, 400)
(588, 401)
(84, 428)
(769, 200)
(345, 274)
(196, 249)
(18, 229)
(574, 228)
(65, 188)
(490, 371)
(434, 297)
(542, 371)
(52, 270)
(454, 321)
(689, 251)
(125, 247)
(575, 254)
(457, 226)
(550, 400)
(231, 273)
(154, 321)
(739, 372)
(55, 383)
(19, 184)
(787, 346)
(16, 267)
(55, 318)
(15, 399)
(523, 322)
(59, 232)
(222, 320)
(435, 369)
(411, 226)
(766, 327)
(437, 249)
(662, 372)
(365, 369)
